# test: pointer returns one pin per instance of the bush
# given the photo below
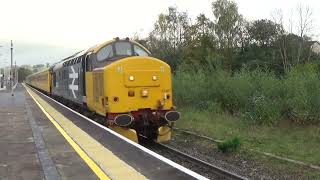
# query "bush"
(258, 96)
(303, 94)
(265, 102)
(230, 145)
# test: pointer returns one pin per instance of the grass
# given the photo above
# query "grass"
(267, 112)
(289, 140)
(229, 145)
(258, 96)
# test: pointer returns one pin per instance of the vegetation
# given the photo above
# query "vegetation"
(299, 142)
(23, 73)
(257, 96)
(254, 70)
(231, 42)
(229, 145)
(255, 80)
(25, 70)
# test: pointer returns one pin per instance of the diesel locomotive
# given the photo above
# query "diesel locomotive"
(119, 81)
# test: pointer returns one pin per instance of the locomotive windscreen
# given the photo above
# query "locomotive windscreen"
(120, 49)
(128, 49)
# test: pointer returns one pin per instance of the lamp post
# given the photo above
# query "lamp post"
(11, 70)
(1, 76)
(1, 55)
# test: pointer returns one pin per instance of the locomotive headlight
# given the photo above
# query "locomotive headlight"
(154, 78)
(144, 92)
(131, 78)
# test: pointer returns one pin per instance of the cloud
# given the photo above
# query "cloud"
(33, 53)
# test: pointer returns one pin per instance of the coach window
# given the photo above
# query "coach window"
(105, 53)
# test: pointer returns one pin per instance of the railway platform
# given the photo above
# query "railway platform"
(43, 139)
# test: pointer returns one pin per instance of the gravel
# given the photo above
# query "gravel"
(204, 171)
(240, 162)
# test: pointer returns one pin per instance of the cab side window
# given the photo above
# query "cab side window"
(54, 79)
(88, 63)
(105, 53)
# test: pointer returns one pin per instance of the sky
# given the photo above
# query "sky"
(48, 30)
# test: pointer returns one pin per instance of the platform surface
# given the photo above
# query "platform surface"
(31, 148)
(40, 139)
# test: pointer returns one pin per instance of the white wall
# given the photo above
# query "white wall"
(316, 48)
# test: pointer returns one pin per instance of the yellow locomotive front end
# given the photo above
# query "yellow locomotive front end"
(136, 96)
(138, 83)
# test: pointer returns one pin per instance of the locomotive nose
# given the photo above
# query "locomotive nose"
(172, 116)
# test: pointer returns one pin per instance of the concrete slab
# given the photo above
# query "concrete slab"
(24, 154)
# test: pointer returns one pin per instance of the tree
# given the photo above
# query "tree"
(169, 36)
(23, 73)
(304, 25)
(229, 41)
(200, 43)
(227, 27)
(264, 32)
(281, 43)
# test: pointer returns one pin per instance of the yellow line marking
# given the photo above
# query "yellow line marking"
(94, 167)
(108, 162)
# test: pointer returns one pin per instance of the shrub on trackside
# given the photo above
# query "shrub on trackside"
(229, 145)
(303, 94)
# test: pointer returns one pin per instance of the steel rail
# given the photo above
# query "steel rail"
(217, 170)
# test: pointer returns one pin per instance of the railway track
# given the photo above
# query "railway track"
(197, 135)
(209, 170)
(281, 158)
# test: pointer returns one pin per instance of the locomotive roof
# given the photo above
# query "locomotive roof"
(97, 47)
(93, 49)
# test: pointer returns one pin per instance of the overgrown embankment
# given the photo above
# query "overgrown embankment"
(256, 96)
(268, 112)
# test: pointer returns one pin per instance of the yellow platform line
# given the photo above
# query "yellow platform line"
(93, 166)
(104, 159)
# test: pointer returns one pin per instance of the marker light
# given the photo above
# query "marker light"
(131, 78)
(131, 93)
(154, 78)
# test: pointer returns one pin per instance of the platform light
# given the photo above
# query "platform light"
(131, 78)
(154, 78)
